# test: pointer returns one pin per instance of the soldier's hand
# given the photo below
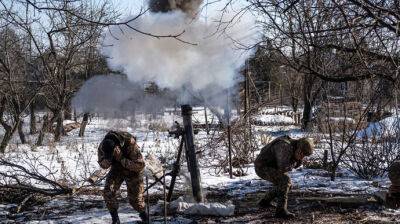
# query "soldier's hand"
(117, 154)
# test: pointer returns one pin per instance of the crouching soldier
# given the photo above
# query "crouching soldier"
(273, 164)
(120, 151)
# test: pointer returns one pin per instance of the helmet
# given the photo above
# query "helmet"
(306, 145)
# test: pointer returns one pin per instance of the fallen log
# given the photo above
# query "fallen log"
(97, 176)
(343, 201)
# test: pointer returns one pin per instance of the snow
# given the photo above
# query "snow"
(74, 159)
(343, 119)
(186, 206)
(385, 127)
(274, 119)
(270, 110)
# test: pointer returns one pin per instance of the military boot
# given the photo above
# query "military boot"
(266, 202)
(145, 217)
(281, 209)
(114, 216)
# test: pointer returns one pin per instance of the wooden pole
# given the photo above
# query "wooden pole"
(165, 199)
(246, 111)
(83, 124)
(228, 121)
(193, 166)
(230, 151)
(247, 95)
(205, 116)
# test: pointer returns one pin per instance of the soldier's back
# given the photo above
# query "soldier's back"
(267, 156)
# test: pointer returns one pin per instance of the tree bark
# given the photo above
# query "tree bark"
(307, 111)
(6, 139)
(83, 124)
(10, 130)
(42, 131)
(21, 132)
(68, 112)
(75, 116)
(59, 127)
(32, 125)
(295, 103)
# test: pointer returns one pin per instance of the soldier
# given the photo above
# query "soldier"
(274, 162)
(120, 151)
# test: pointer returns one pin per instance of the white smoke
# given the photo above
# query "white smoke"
(114, 96)
(212, 63)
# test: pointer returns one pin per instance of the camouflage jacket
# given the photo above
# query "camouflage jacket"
(131, 163)
(278, 154)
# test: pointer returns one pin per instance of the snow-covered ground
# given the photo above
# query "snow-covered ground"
(72, 160)
(386, 127)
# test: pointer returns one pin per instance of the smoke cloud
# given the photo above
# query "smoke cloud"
(212, 61)
(115, 96)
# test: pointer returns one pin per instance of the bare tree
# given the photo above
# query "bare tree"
(333, 41)
(15, 94)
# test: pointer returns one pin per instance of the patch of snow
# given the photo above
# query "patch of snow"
(182, 206)
(274, 119)
(388, 126)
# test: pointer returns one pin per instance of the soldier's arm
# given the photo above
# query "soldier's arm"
(283, 157)
(102, 160)
(134, 162)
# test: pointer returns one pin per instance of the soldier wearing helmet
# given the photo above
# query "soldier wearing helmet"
(273, 164)
(120, 151)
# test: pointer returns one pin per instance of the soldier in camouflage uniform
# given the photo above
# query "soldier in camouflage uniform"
(120, 151)
(273, 164)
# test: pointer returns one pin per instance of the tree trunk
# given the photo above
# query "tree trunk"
(75, 116)
(10, 130)
(307, 115)
(295, 103)
(206, 120)
(42, 131)
(6, 139)
(307, 111)
(32, 126)
(59, 127)
(68, 112)
(21, 132)
(83, 124)
(333, 173)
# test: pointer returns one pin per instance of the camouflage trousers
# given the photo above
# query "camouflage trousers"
(134, 185)
(281, 182)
